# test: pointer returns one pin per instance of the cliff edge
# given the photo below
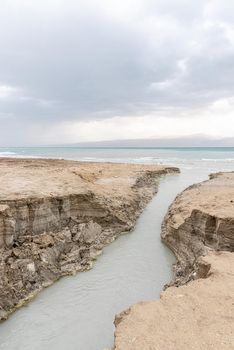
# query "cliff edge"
(199, 314)
(57, 215)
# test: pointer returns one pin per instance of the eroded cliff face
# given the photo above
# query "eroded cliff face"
(56, 216)
(199, 228)
(201, 219)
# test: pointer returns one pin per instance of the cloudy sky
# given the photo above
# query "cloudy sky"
(74, 70)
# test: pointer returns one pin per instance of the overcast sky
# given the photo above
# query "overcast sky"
(74, 70)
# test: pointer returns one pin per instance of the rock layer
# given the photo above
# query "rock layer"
(199, 220)
(199, 228)
(56, 216)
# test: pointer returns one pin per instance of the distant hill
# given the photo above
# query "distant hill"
(190, 141)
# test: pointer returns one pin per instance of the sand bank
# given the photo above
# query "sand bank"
(199, 314)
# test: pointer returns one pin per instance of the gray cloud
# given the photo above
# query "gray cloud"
(77, 60)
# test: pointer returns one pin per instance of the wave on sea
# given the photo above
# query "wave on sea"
(17, 155)
(7, 154)
(218, 159)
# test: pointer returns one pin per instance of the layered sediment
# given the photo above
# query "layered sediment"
(201, 219)
(56, 216)
(199, 228)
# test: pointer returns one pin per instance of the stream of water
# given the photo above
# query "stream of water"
(77, 313)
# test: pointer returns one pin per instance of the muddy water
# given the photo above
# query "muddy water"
(77, 313)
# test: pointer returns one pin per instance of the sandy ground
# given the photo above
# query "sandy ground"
(199, 315)
(24, 178)
(56, 216)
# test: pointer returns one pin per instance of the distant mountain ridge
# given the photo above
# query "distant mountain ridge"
(194, 141)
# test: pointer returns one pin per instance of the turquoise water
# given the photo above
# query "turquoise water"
(199, 157)
(77, 313)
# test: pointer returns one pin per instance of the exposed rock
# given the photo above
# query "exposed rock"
(199, 220)
(56, 216)
(199, 228)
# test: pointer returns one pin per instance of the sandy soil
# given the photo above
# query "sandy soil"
(199, 228)
(25, 178)
(56, 216)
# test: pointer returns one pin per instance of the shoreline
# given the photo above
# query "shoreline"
(198, 228)
(57, 216)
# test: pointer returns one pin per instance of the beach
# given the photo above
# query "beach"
(116, 175)
(113, 183)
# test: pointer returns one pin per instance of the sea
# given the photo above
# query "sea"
(77, 312)
(217, 158)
